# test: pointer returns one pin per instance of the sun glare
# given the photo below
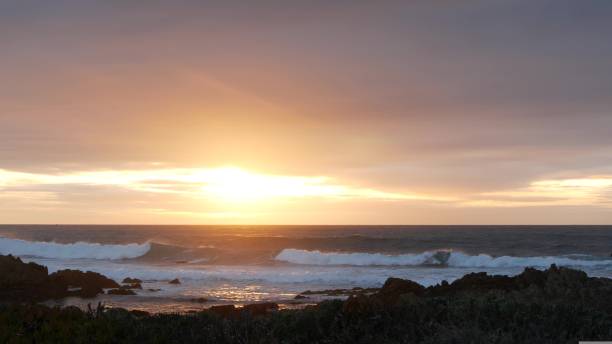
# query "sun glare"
(237, 185)
(221, 184)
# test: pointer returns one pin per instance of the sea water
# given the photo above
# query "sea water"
(242, 264)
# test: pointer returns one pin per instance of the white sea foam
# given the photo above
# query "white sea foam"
(323, 277)
(359, 259)
(78, 250)
(452, 259)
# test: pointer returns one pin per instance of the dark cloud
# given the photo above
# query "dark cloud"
(467, 96)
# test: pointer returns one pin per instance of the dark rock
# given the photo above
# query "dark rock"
(15, 272)
(80, 278)
(175, 281)
(260, 308)
(87, 284)
(300, 297)
(529, 277)
(395, 287)
(153, 290)
(358, 304)
(224, 310)
(482, 281)
(565, 282)
(340, 292)
(26, 282)
(121, 291)
(200, 300)
(555, 281)
(129, 280)
(31, 282)
(132, 286)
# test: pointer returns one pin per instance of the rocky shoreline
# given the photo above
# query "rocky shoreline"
(556, 305)
(23, 282)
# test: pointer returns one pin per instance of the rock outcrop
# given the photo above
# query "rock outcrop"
(395, 287)
(21, 281)
(199, 300)
(83, 284)
(552, 283)
(129, 280)
(121, 291)
(132, 286)
(30, 282)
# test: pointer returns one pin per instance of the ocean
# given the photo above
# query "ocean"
(244, 264)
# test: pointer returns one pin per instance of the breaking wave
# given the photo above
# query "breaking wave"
(77, 250)
(431, 258)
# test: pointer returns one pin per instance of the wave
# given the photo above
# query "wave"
(77, 250)
(166, 253)
(148, 252)
(439, 258)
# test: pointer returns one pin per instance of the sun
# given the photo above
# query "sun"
(238, 185)
(234, 184)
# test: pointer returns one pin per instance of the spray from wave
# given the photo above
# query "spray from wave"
(439, 258)
(77, 250)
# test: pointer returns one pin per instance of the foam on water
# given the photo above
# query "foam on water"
(326, 276)
(77, 250)
(442, 258)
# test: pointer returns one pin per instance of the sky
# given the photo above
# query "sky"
(306, 112)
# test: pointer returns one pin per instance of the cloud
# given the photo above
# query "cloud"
(222, 184)
(231, 195)
(459, 105)
(594, 191)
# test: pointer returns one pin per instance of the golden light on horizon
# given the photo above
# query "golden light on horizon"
(238, 185)
(217, 184)
(231, 192)
(589, 191)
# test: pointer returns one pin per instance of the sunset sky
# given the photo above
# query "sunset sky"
(309, 112)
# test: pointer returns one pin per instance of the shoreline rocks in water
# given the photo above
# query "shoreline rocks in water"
(199, 300)
(339, 292)
(90, 283)
(132, 286)
(120, 291)
(30, 282)
(129, 280)
(175, 281)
